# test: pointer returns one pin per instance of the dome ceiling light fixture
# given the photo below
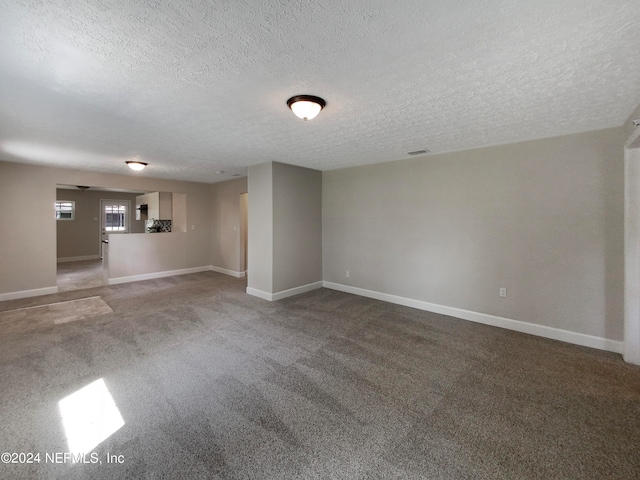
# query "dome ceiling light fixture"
(306, 107)
(419, 152)
(136, 165)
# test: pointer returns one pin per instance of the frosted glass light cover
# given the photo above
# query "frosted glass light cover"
(136, 165)
(306, 110)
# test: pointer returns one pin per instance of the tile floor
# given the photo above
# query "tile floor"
(32, 318)
(78, 275)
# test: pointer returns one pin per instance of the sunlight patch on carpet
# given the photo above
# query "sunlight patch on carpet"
(89, 416)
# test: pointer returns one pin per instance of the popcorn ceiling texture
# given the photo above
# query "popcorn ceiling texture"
(197, 86)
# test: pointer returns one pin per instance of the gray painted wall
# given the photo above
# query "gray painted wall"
(260, 216)
(225, 215)
(28, 238)
(297, 226)
(285, 227)
(542, 218)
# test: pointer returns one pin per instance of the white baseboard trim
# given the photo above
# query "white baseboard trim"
(259, 293)
(507, 323)
(272, 297)
(151, 276)
(28, 293)
(226, 271)
(297, 290)
(78, 259)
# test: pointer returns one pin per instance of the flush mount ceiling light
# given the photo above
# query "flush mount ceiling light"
(419, 152)
(135, 165)
(306, 107)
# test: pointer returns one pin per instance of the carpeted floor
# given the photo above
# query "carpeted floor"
(209, 382)
(79, 275)
(34, 318)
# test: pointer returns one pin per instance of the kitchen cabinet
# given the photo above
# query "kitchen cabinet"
(159, 206)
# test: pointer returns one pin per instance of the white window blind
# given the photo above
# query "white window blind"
(65, 210)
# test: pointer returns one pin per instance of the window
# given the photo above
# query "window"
(65, 210)
(115, 218)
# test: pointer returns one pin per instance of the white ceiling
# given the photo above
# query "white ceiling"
(197, 86)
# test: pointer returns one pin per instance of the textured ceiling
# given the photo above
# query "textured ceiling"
(196, 86)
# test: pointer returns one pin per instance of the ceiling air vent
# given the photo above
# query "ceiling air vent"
(418, 152)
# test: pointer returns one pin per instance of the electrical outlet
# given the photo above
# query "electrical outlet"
(503, 292)
(347, 274)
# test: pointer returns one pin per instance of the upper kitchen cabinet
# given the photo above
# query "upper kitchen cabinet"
(156, 205)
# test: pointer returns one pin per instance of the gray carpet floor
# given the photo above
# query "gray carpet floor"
(79, 275)
(213, 383)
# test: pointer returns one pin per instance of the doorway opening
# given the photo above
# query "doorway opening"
(79, 275)
(84, 216)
